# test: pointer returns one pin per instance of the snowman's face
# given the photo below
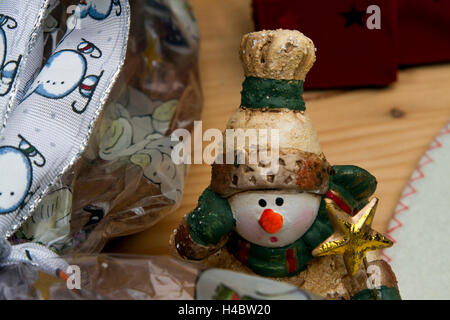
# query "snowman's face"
(2, 46)
(61, 75)
(15, 173)
(96, 9)
(273, 218)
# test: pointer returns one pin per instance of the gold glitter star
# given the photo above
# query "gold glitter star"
(353, 236)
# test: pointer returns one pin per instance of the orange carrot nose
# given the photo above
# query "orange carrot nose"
(271, 221)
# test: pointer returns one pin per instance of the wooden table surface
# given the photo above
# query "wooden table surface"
(385, 131)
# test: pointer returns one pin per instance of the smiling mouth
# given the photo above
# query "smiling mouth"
(273, 239)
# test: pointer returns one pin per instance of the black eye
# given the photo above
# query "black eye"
(262, 202)
(12, 193)
(279, 201)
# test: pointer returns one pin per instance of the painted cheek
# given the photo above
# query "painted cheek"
(247, 226)
(304, 220)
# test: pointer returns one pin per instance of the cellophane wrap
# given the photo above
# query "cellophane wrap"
(127, 277)
(125, 180)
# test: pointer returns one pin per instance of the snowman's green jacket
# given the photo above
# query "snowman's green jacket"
(213, 219)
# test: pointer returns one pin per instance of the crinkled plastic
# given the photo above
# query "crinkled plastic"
(126, 181)
(125, 277)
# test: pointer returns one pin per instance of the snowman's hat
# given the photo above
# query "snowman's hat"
(275, 64)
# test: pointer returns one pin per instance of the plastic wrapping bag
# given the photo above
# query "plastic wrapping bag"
(125, 180)
(126, 277)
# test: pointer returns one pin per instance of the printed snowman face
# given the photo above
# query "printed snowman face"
(7, 76)
(98, 9)
(273, 218)
(15, 182)
(65, 72)
(3, 46)
(16, 174)
(8, 70)
(58, 78)
(6, 22)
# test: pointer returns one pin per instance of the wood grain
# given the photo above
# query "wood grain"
(385, 131)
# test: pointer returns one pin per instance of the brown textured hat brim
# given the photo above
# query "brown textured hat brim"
(297, 171)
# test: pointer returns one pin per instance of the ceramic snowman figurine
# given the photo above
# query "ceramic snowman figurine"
(275, 224)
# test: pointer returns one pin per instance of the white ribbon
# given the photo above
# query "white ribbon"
(21, 45)
(49, 115)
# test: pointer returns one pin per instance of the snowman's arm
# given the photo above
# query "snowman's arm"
(353, 186)
(358, 183)
(205, 230)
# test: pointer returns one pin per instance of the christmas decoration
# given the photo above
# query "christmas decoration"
(258, 221)
(353, 40)
(427, 20)
(363, 41)
(353, 236)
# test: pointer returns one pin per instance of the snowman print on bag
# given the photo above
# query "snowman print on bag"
(96, 9)
(8, 70)
(99, 10)
(16, 172)
(66, 72)
(141, 139)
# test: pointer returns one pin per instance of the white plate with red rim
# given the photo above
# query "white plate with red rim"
(420, 227)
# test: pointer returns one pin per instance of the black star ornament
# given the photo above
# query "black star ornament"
(354, 16)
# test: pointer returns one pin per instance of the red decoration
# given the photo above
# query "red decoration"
(351, 52)
(424, 31)
(340, 203)
(348, 53)
(244, 251)
(291, 260)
